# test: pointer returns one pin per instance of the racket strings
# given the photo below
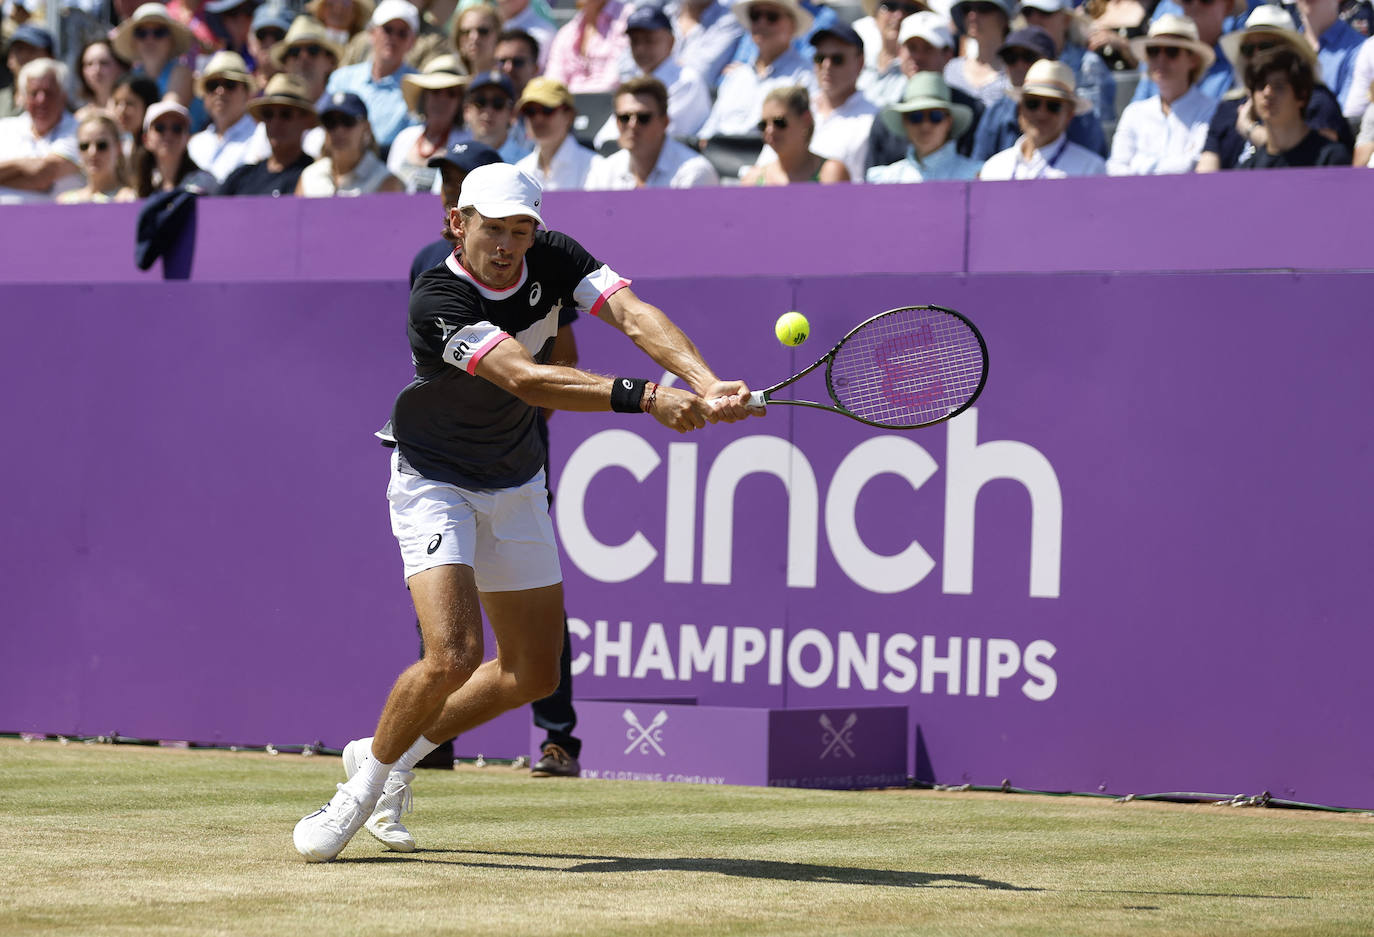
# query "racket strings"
(908, 367)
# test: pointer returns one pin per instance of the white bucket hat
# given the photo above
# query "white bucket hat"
(1173, 30)
(500, 190)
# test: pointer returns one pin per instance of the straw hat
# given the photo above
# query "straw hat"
(288, 90)
(443, 71)
(1268, 20)
(362, 13)
(125, 44)
(305, 31)
(1050, 79)
(927, 91)
(799, 14)
(1173, 30)
(224, 64)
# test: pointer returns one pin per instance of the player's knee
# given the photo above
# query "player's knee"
(449, 669)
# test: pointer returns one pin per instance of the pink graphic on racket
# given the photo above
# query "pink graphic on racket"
(902, 369)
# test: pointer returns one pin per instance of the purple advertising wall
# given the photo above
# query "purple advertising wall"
(1137, 565)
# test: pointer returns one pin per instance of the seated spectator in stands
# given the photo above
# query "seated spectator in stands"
(348, 164)
(822, 16)
(1112, 26)
(586, 52)
(978, 71)
(651, 48)
(431, 40)
(1210, 17)
(342, 19)
(287, 112)
(1001, 124)
(378, 80)
(153, 41)
(882, 79)
(1095, 81)
(308, 53)
(100, 69)
(708, 34)
(788, 128)
(648, 157)
(225, 86)
(535, 20)
(1234, 128)
(270, 25)
(27, 43)
(927, 45)
(558, 160)
(1338, 43)
(1166, 133)
(236, 22)
(772, 24)
(474, 36)
(436, 94)
(1356, 100)
(164, 163)
(844, 117)
(1280, 83)
(932, 122)
(130, 100)
(102, 161)
(1048, 102)
(488, 108)
(517, 55)
(38, 155)
(1364, 143)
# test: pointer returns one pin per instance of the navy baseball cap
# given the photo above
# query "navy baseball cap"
(271, 16)
(34, 36)
(492, 79)
(648, 17)
(342, 102)
(1033, 38)
(466, 156)
(838, 30)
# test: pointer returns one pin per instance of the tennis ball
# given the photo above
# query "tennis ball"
(792, 328)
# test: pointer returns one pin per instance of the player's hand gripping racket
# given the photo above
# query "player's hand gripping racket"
(903, 369)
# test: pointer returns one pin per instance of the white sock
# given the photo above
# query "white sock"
(371, 777)
(415, 753)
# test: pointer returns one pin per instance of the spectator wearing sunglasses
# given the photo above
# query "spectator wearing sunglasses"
(348, 164)
(881, 32)
(1280, 82)
(708, 35)
(154, 42)
(788, 129)
(270, 26)
(475, 32)
(378, 80)
(102, 161)
(648, 157)
(931, 121)
(1047, 102)
(586, 52)
(1095, 81)
(821, 17)
(308, 53)
(517, 56)
(234, 22)
(651, 47)
(488, 111)
(288, 113)
(558, 160)
(772, 24)
(1211, 18)
(1001, 126)
(164, 162)
(1166, 133)
(534, 19)
(225, 86)
(431, 40)
(1235, 129)
(436, 95)
(39, 159)
(978, 71)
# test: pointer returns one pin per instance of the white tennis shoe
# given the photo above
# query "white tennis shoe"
(323, 834)
(396, 800)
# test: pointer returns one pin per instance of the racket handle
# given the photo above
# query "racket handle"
(757, 399)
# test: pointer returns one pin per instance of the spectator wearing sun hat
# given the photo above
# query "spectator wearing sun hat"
(154, 41)
(1210, 17)
(1047, 103)
(436, 96)
(287, 112)
(1094, 76)
(931, 122)
(772, 24)
(1166, 133)
(558, 160)
(986, 23)
(377, 81)
(309, 53)
(225, 86)
(341, 19)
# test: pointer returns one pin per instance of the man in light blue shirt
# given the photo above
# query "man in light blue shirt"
(707, 36)
(1338, 42)
(773, 24)
(394, 26)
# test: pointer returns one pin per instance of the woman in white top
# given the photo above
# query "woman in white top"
(348, 163)
(978, 71)
(436, 95)
(558, 160)
(1048, 101)
(102, 160)
(1165, 133)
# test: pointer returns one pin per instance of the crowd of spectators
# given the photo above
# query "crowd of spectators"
(345, 97)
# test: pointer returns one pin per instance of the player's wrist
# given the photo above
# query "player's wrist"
(627, 394)
(649, 398)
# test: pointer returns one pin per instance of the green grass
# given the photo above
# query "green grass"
(100, 840)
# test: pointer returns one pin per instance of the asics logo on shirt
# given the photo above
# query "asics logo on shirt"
(535, 292)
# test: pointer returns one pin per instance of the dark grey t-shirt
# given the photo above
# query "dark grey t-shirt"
(454, 426)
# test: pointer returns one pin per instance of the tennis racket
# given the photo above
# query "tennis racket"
(902, 369)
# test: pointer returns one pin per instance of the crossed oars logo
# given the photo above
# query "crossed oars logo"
(838, 740)
(648, 736)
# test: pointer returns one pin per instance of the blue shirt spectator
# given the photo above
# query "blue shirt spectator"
(822, 16)
(394, 27)
(708, 44)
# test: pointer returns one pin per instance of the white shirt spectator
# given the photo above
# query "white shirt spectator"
(1151, 142)
(1357, 98)
(17, 141)
(416, 178)
(678, 167)
(571, 165)
(1058, 159)
(689, 102)
(317, 179)
(739, 100)
(844, 134)
(221, 155)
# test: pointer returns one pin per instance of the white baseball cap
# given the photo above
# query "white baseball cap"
(932, 27)
(165, 107)
(402, 10)
(1047, 6)
(500, 190)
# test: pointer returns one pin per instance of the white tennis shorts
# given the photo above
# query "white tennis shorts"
(504, 534)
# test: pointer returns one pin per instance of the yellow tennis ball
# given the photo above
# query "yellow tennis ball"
(792, 328)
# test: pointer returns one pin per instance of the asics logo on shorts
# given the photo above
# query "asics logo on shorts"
(434, 544)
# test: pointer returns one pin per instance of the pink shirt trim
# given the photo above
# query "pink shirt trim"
(481, 353)
(606, 294)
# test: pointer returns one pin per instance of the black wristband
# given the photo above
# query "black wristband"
(626, 394)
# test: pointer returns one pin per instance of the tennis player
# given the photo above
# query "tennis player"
(467, 492)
